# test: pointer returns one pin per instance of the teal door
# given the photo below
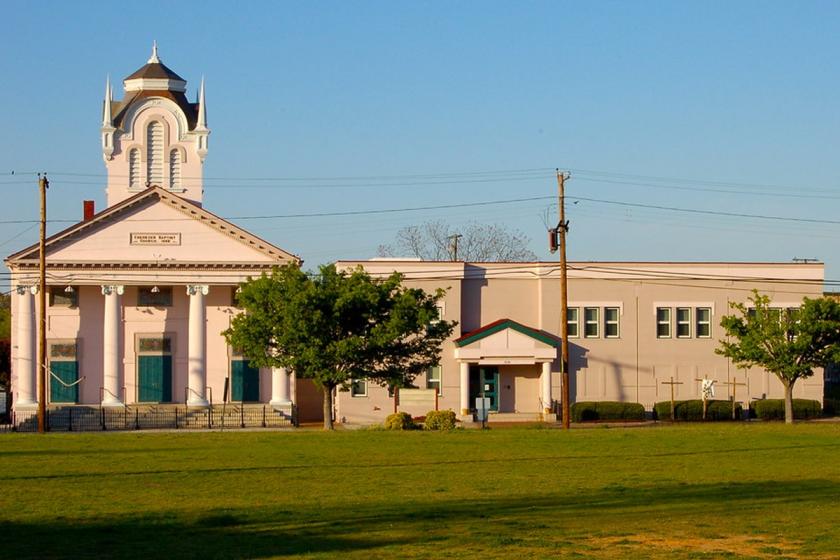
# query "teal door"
(68, 373)
(154, 378)
(486, 379)
(244, 382)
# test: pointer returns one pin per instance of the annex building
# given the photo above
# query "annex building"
(631, 327)
(139, 293)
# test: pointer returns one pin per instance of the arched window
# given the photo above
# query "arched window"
(154, 150)
(134, 168)
(174, 169)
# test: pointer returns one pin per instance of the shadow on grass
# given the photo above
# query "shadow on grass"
(315, 529)
(394, 464)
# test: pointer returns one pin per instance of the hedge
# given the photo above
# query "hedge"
(440, 420)
(692, 410)
(606, 410)
(774, 409)
(399, 421)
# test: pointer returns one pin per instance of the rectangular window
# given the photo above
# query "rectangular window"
(683, 322)
(663, 322)
(64, 296)
(154, 296)
(704, 322)
(573, 322)
(358, 388)
(611, 315)
(440, 311)
(433, 378)
(591, 321)
(234, 296)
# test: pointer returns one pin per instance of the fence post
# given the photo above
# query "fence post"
(47, 419)
(176, 417)
(264, 424)
(242, 416)
(102, 419)
(70, 419)
(209, 417)
(136, 418)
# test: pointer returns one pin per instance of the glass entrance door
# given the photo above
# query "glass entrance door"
(486, 379)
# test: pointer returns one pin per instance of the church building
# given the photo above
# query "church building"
(139, 293)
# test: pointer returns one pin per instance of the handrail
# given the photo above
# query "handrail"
(187, 391)
(103, 390)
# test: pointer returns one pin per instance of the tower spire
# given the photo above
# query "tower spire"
(202, 114)
(106, 111)
(154, 58)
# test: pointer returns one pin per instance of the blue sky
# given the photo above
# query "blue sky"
(714, 106)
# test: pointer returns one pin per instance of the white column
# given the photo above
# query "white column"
(197, 360)
(26, 382)
(279, 387)
(545, 381)
(111, 346)
(465, 388)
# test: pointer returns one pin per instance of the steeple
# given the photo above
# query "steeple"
(201, 130)
(108, 128)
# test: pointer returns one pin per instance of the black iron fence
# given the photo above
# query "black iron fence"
(79, 418)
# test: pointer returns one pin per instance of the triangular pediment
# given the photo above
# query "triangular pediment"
(506, 333)
(157, 227)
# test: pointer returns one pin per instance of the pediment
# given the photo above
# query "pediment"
(506, 341)
(155, 227)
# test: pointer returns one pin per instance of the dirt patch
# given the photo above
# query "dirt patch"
(752, 546)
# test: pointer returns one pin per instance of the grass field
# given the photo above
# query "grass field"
(695, 491)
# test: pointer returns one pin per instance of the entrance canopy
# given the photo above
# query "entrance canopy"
(505, 342)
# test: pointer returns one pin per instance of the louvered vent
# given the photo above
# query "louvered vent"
(154, 146)
(134, 169)
(174, 169)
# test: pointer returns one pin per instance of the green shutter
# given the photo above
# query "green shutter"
(68, 372)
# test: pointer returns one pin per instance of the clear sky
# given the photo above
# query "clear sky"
(711, 106)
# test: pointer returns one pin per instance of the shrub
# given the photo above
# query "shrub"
(774, 409)
(692, 410)
(440, 420)
(606, 410)
(831, 406)
(399, 421)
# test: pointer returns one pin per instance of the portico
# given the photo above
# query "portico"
(510, 365)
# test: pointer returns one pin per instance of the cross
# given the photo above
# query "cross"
(735, 385)
(706, 383)
(672, 383)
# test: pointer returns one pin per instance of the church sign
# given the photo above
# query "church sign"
(155, 239)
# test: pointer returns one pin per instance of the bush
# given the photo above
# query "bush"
(692, 410)
(606, 410)
(774, 409)
(399, 421)
(440, 420)
(831, 406)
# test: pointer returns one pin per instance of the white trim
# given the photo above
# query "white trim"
(709, 304)
(155, 84)
(619, 304)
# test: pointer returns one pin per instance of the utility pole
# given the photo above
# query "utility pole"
(43, 184)
(557, 239)
(453, 245)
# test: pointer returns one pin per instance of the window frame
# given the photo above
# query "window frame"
(576, 322)
(163, 290)
(616, 322)
(437, 383)
(596, 322)
(53, 290)
(665, 322)
(698, 323)
(354, 393)
(679, 323)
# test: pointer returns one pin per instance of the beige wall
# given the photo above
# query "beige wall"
(630, 367)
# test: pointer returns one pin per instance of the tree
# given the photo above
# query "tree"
(433, 241)
(5, 340)
(790, 343)
(338, 327)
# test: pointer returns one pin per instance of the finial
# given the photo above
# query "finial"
(106, 110)
(154, 58)
(202, 111)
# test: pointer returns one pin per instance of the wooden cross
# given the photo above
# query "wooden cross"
(735, 385)
(703, 394)
(672, 383)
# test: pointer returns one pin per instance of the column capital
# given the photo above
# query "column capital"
(107, 290)
(21, 289)
(195, 289)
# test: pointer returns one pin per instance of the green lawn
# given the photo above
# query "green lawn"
(696, 491)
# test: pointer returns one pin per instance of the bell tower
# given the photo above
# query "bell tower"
(154, 135)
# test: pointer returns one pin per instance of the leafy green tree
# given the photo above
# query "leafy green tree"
(5, 339)
(336, 327)
(787, 342)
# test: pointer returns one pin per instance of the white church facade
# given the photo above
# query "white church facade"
(139, 293)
